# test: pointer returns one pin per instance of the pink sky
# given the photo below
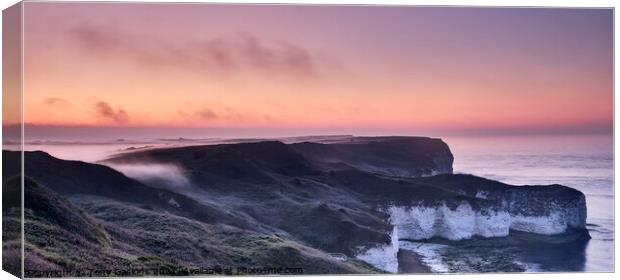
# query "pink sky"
(317, 68)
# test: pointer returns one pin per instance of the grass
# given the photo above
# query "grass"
(86, 232)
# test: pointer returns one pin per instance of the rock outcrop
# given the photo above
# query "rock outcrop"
(390, 156)
(483, 209)
(544, 210)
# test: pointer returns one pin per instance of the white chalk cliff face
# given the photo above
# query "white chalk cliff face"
(383, 256)
(420, 222)
(524, 210)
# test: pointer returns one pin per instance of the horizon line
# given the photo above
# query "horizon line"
(113, 133)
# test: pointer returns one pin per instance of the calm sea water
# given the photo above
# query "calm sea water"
(581, 162)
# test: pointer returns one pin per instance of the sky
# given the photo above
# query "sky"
(246, 70)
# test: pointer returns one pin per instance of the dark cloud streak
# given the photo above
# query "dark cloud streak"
(243, 52)
(105, 111)
(55, 101)
(206, 114)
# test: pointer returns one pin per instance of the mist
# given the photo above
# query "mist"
(162, 175)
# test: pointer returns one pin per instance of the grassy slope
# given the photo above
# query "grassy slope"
(109, 234)
(192, 243)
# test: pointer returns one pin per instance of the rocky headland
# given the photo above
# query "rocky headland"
(286, 204)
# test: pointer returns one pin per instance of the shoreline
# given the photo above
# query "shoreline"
(411, 262)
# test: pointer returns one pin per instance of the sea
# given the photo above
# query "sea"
(583, 162)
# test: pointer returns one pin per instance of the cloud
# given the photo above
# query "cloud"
(203, 114)
(286, 57)
(55, 101)
(95, 38)
(237, 54)
(104, 110)
(206, 114)
(223, 114)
